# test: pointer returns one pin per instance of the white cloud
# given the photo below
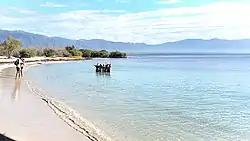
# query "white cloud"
(168, 1)
(227, 20)
(51, 4)
(16, 11)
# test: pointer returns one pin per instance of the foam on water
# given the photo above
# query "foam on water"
(70, 116)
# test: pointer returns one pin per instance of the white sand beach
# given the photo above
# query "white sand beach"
(25, 117)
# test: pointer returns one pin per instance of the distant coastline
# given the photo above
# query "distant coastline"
(184, 53)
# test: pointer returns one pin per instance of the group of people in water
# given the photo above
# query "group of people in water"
(19, 63)
(103, 67)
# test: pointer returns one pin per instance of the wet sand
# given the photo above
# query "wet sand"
(25, 117)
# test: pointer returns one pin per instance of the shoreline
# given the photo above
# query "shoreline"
(69, 116)
(39, 59)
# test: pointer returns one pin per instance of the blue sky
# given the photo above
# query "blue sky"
(144, 21)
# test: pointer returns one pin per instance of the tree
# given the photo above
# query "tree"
(75, 52)
(104, 54)
(39, 52)
(10, 45)
(62, 53)
(69, 48)
(2, 51)
(66, 53)
(48, 52)
(95, 54)
(86, 52)
(117, 54)
(27, 52)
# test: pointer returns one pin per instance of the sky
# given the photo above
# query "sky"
(137, 21)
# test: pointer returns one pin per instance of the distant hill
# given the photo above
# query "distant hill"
(31, 40)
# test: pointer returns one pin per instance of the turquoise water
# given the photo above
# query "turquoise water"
(157, 97)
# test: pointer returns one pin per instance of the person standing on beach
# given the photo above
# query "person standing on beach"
(22, 66)
(18, 65)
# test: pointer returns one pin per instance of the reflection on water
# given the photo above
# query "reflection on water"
(16, 92)
(103, 74)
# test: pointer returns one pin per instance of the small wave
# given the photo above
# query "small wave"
(70, 116)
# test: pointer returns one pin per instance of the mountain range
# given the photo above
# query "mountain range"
(30, 40)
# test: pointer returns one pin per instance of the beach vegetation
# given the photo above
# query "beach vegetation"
(86, 53)
(73, 51)
(49, 52)
(117, 54)
(27, 52)
(102, 54)
(62, 53)
(10, 45)
(39, 52)
(2, 51)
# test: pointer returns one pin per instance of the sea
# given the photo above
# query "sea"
(156, 97)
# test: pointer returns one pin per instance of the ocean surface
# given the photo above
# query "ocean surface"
(157, 97)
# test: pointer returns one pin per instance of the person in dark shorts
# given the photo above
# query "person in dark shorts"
(22, 66)
(18, 65)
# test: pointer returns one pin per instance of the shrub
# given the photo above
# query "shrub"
(104, 54)
(10, 45)
(15, 53)
(86, 52)
(2, 51)
(117, 54)
(95, 54)
(27, 52)
(75, 52)
(39, 52)
(66, 53)
(48, 52)
(69, 48)
(62, 53)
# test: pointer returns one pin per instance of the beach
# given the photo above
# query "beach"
(25, 116)
(144, 98)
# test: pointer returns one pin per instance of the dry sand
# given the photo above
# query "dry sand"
(25, 117)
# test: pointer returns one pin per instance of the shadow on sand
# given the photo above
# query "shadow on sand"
(4, 138)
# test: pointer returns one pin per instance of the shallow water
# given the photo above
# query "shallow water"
(157, 97)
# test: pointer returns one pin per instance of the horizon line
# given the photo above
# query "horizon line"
(125, 42)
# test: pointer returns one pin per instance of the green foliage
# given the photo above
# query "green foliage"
(27, 52)
(48, 52)
(95, 54)
(86, 52)
(10, 45)
(2, 51)
(104, 54)
(69, 48)
(62, 53)
(15, 53)
(73, 51)
(39, 52)
(66, 53)
(117, 54)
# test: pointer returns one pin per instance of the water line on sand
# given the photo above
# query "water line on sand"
(70, 116)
